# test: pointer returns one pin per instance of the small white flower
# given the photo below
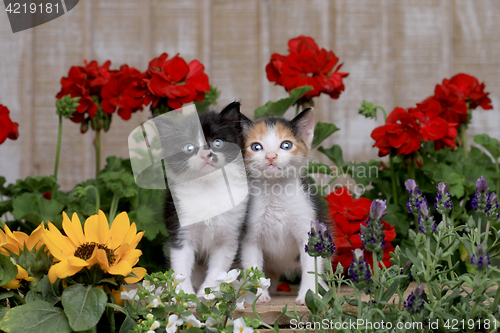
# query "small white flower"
(150, 316)
(147, 284)
(241, 327)
(228, 277)
(209, 323)
(191, 319)
(179, 278)
(130, 295)
(155, 303)
(173, 322)
(263, 284)
(158, 292)
(209, 297)
(155, 325)
(240, 306)
(150, 331)
(246, 296)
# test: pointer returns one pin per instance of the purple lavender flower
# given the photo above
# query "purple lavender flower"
(372, 233)
(415, 302)
(480, 261)
(377, 209)
(359, 272)
(482, 185)
(426, 224)
(320, 243)
(443, 202)
(415, 200)
(484, 202)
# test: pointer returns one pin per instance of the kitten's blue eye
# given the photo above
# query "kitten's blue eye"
(256, 146)
(188, 149)
(218, 143)
(286, 145)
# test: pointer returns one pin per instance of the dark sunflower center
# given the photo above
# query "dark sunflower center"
(85, 251)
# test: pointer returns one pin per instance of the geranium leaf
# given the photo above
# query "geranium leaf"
(491, 144)
(334, 153)
(323, 131)
(36, 184)
(279, 108)
(84, 306)
(34, 208)
(35, 317)
(316, 167)
(147, 212)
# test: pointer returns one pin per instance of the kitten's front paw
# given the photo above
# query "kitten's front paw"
(300, 300)
(264, 298)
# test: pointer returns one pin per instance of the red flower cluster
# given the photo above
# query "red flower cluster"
(459, 93)
(176, 81)
(306, 64)
(8, 128)
(436, 119)
(347, 214)
(116, 90)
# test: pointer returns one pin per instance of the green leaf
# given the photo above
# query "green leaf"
(147, 212)
(34, 208)
(491, 144)
(323, 131)
(127, 325)
(84, 306)
(121, 183)
(334, 153)
(40, 184)
(43, 291)
(35, 317)
(311, 302)
(8, 271)
(279, 108)
(444, 173)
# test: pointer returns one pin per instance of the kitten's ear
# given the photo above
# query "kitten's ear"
(231, 112)
(304, 123)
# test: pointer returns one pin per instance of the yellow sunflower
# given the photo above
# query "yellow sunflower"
(113, 248)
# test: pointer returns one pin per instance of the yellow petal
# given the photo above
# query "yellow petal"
(103, 228)
(123, 268)
(91, 230)
(52, 273)
(102, 259)
(132, 231)
(65, 269)
(58, 245)
(73, 229)
(77, 262)
(140, 272)
(35, 239)
(118, 230)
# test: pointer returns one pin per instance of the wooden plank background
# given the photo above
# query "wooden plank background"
(395, 52)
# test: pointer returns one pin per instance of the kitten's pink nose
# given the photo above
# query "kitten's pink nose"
(205, 155)
(271, 156)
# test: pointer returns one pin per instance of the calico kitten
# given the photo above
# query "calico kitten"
(281, 205)
(203, 242)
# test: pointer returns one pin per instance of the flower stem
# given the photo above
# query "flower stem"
(427, 271)
(479, 230)
(58, 151)
(316, 273)
(411, 169)
(97, 144)
(113, 208)
(97, 197)
(497, 168)
(463, 132)
(393, 180)
(446, 242)
(360, 303)
(383, 110)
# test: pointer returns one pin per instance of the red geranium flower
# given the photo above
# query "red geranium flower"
(123, 92)
(401, 132)
(346, 215)
(8, 128)
(306, 64)
(176, 81)
(85, 82)
(433, 127)
(454, 95)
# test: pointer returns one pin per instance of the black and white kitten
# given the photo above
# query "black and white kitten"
(208, 193)
(281, 205)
